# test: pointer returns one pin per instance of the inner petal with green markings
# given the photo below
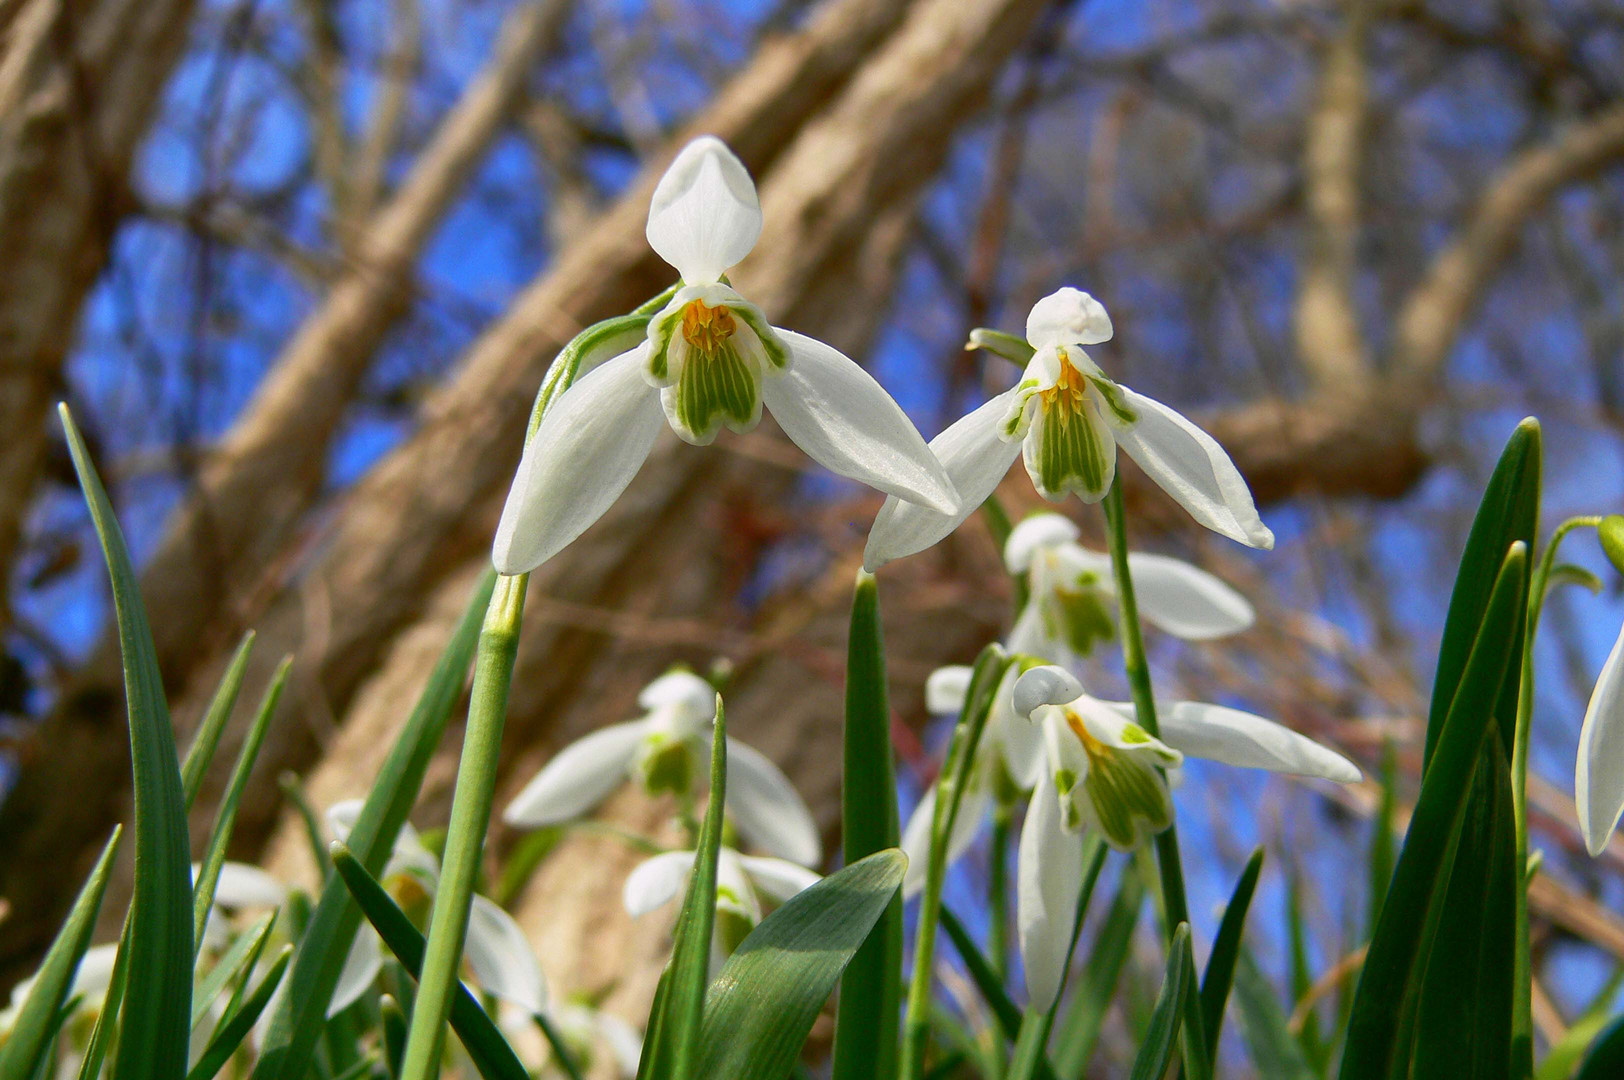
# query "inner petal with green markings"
(1126, 793)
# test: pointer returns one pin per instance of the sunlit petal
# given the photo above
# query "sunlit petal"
(1067, 316)
(975, 458)
(946, 688)
(1599, 778)
(243, 885)
(846, 422)
(777, 879)
(704, 216)
(1046, 685)
(578, 778)
(1049, 877)
(657, 881)
(1034, 534)
(588, 448)
(1185, 600)
(1192, 468)
(501, 958)
(769, 813)
(361, 967)
(681, 688)
(1241, 738)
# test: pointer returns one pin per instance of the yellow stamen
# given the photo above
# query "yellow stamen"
(705, 328)
(1069, 389)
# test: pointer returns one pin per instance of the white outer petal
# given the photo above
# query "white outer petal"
(766, 808)
(916, 837)
(704, 215)
(1067, 316)
(578, 777)
(681, 688)
(1192, 468)
(1033, 534)
(975, 458)
(1598, 780)
(1022, 744)
(501, 958)
(242, 885)
(846, 422)
(1046, 685)
(777, 879)
(589, 446)
(1244, 739)
(657, 881)
(1048, 879)
(1185, 600)
(946, 689)
(361, 967)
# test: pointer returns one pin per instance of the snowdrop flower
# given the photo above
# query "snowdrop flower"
(1103, 771)
(1068, 419)
(1598, 780)
(497, 951)
(1073, 594)
(1008, 759)
(668, 749)
(743, 882)
(711, 360)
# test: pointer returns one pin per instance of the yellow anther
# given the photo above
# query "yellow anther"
(705, 328)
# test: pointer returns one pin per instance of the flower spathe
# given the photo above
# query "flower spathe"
(1598, 779)
(665, 750)
(711, 360)
(1103, 770)
(1067, 418)
(1072, 601)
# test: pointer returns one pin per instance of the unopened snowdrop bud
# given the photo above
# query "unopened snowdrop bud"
(1611, 534)
(1599, 776)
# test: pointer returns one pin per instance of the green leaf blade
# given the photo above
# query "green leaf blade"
(690, 955)
(764, 1002)
(157, 1007)
(1226, 948)
(868, 1014)
(1166, 1019)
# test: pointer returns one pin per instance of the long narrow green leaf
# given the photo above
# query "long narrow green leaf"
(763, 1004)
(1156, 1052)
(1606, 1058)
(241, 957)
(1384, 1003)
(1274, 1050)
(1226, 947)
(490, 1052)
(200, 754)
(297, 1022)
(1004, 1011)
(1508, 513)
(231, 1033)
(225, 819)
(293, 791)
(1197, 1063)
(41, 1014)
(868, 1015)
(690, 954)
(1468, 1034)
(1112, 943)
(157, 1010)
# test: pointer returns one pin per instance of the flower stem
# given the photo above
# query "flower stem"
(1003, 821)
(1522, 1024)
(1175, 908)
(988, 672)
(465, 838)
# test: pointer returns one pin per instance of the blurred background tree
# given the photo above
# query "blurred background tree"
(298, 266)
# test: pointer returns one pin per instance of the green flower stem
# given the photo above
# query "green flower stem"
(465, 837)
(1175, 908)
(1522, 1024)
(988, 672)
(1003, 827)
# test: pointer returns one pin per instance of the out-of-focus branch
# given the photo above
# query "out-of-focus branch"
(382, 133)
(321, 77)
(1437, 309)
(79, 84)
(1330, 343)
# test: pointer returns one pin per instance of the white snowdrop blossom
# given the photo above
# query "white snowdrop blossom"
(1008, 759)
(710, 361)
(668, 749)
(1598, 779)
(1073, 595)
(1068, 419)
(745, 884)
(585, 1030)
(1102, 770)
(497, 951)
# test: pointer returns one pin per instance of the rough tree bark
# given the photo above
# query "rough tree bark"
(79, 83)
